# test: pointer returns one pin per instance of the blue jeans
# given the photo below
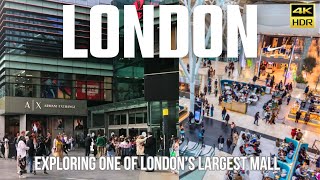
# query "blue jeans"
(30, 162)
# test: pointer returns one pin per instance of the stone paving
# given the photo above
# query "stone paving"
(8, 170)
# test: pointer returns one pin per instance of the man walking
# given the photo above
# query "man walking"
(220, 142)
(227, 118)
(229, 143)
(150, 148)
(288, 99)
(224, 112)
(87, 144)
(31, 152)
(233, 127)
(256, 118)
(298, 115)
(101, 143)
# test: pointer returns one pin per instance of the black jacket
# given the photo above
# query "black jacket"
(150, 146)
(31, 151)
(221, 140)
(229, 143)
(227, 117)
(87, 141)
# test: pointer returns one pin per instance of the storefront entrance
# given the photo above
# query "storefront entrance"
(69, 125)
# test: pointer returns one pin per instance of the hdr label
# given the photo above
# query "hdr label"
(302, 15)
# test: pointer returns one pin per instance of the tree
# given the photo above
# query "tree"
(193, 61)
(309, 63)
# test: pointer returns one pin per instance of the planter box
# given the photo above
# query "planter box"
(301, 85)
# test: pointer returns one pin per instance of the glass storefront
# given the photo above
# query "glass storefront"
(275, 52)
(26, 83)
(75, 126)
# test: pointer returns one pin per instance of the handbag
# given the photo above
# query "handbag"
(173, 154)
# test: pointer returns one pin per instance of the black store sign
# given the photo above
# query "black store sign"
(21, 105)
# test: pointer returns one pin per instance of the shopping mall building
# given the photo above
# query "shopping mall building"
(43, 92)
(274, 31)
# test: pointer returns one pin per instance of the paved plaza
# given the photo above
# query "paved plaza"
(8, 170)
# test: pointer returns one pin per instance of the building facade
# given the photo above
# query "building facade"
(39, 89)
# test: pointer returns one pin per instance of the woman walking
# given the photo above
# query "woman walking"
(58, 147)
(21, 156)
(6, 148)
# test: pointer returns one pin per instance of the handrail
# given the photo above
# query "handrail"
(295, 158)
(315, 147)
(193, 148)
(199, 152)
(185, 146)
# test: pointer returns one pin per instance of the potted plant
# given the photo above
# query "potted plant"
(308, 64)
(301, 82)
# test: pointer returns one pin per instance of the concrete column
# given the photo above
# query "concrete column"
(2, 126)
(127, 120)
(23, 122)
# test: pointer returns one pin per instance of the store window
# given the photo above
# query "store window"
(132, 119)
(111, 119)
(98, 120)
(117, 119)
(123, 119)
(139, 118)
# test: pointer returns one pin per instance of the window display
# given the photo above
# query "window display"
(59, 124)
(78, 124)
(22, 83)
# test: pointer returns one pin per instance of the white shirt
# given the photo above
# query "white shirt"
(22, 149)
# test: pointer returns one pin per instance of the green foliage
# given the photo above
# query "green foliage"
(300, 79)
(309, 63)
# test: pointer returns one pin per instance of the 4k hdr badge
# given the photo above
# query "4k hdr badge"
(302, 15)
